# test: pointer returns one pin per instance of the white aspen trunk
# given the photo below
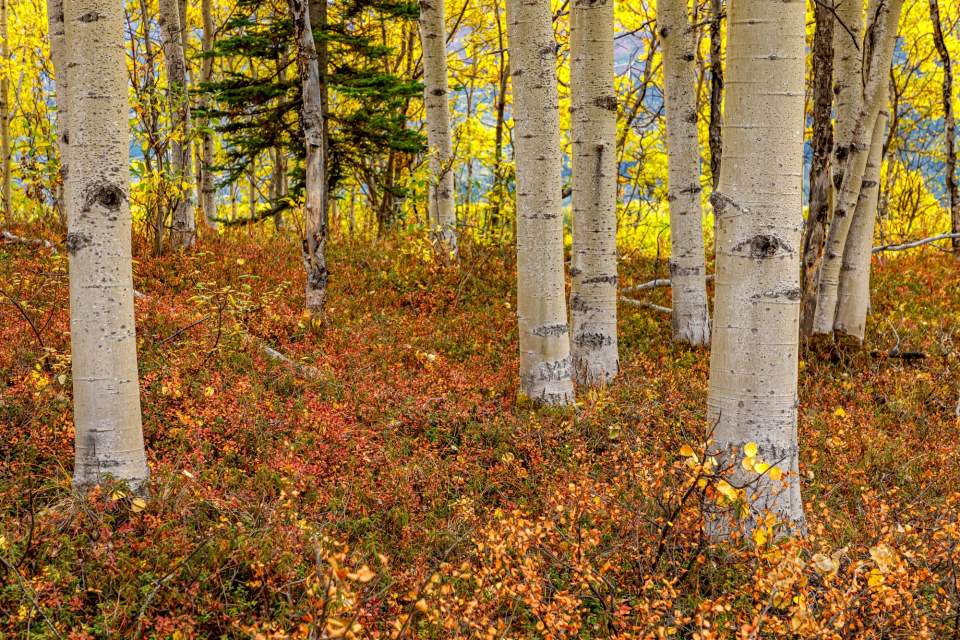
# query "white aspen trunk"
(848, 61)
(208, 190)
(6, 180)
(593, 124)
(106, 395)
(184, 227)
(545, 367)
(854, 162)
(58, 58)
(853, 300)
(754, 358)
(315, 224)
(441, 199)
(687, 270)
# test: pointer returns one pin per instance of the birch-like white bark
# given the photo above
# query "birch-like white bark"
(315, 223)
(593, 124)
(184, 228)
(848, 61)
(545, 366)
(882, 36)
(106, 394)
(58, 58)
(6, 180)
(758, 204)
(690, 315)
(853, 300)
(441, 202)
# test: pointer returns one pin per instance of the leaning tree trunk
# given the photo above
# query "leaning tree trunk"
(853, 159)
(6, 180)
(545, 367)
(949, 124)
(687, 272)
(315, 226)
(818, 215)
(593, 124)
(853, 300)
(184, 229)
(754, 359)
(441, 202)
(58, 55)
(106, 394)
(208, 190)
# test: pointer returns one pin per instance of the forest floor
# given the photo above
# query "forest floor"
(394, 486)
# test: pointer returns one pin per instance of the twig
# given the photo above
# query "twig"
(302, 369)
(915, 243)
(26, 317)
(28, 591)
(159, 583)
(654, 284)
(644, 304)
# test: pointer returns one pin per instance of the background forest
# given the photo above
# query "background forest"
(331, 250)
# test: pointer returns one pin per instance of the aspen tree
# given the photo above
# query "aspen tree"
(687, 271)
(58, 59)
(6, 193)
(949, 122)
(208, 191)
(593, 116)
(184, 230)
(315, 223)
(545, 366)
(853, 162)
(441, 204)
(853, 299)
(754, 358)
(106, 395)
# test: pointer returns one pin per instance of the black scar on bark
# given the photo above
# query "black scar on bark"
(438, 92)
(763, 246)
(790, 293)
(76, 241)
(601, 280)
(677, 270)
(592, 340)
(91, 16)
(549, 330)
(606, 102)
(109, 196)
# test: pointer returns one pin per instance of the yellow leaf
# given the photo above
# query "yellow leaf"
(727, 491)
(748, 463)
(421, 605)
(208, 392)
(875, 579)
(686, 451)
(117, 495)
(750, 449)
(137, 505)
(840, 413)
(363, 574)
(760, 536)
(775, 473)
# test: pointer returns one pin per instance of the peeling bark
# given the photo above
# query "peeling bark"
(754, 359)
(593, 124)
(545, 364)
(106, 395)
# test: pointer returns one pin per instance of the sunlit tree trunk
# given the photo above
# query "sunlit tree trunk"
(58, 58)
(949, 122)
(441, 202)
(853, 300)
(6, 181)
(687, 272)
(593, 124)
(208, 190)
(818, 216)
(184, 230)
(852, 159)
(754, 359)
(315, 227)
(106, 395)
(545, 367)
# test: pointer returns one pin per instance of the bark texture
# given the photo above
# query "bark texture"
(315, 223)
(184, 227)
(851, 159)
(106, 395)
(716, 89)
(819, 213)
(853, 300)
(593, 124)
(690, 315)
(6, 180)
(58, 55)
(754, 359)
(949, 122)
(441, 204)
(545, 365)
(208, 190)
